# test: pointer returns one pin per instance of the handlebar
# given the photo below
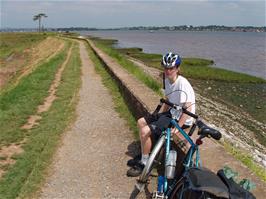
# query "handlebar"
(176, 106)
(204, 130)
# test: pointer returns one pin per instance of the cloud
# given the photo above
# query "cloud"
(115, 13)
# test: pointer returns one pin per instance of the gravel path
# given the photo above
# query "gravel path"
(91, 163)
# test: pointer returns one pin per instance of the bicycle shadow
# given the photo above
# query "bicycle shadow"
(135, 193)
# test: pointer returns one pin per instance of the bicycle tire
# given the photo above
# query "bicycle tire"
(175, 194)
(148, 167)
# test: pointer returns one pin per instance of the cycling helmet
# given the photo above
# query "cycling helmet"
(170, 60)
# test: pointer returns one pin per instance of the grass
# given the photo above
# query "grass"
(15, 43)
(25, 176)
(119, 102)
(130, 67)
(247, 160)
(18, 103)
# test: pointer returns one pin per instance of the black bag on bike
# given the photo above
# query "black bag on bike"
(202, 183)
(235, 190)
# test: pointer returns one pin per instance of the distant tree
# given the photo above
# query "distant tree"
(39, 18)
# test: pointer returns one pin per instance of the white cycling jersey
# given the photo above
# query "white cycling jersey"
(179, 93)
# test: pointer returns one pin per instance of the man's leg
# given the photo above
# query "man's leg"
(146, 143)
(141, 122)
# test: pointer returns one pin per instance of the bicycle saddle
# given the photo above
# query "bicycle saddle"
(206, 131)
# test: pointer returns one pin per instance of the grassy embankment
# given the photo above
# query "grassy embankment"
(24, 177)
(18, 52)
(15, 43)
(231, 88)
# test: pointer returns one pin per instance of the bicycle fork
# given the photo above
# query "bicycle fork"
(148, 167)
(163, 184)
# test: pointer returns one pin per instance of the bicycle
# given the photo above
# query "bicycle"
(175, 187)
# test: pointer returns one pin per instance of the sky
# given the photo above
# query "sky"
(128, 13)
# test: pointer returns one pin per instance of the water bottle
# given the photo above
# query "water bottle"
(160, 184)
(170, 164)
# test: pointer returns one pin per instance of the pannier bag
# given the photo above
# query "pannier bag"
(202, 183)
(235, 190)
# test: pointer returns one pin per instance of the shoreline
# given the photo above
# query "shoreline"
(231, 51)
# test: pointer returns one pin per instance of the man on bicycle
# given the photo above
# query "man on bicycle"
(178, 91)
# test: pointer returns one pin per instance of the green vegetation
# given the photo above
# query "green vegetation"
(128, 65)
(15, 43)
(20, 102)
(247, 160)
(241, 97)
(119, 102)
(39, 18)
(24, 177)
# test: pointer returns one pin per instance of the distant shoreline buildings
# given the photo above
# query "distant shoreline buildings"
(211, 28)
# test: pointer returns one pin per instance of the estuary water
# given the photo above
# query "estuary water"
(243, 52)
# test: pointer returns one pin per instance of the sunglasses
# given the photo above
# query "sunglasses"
(172, 68)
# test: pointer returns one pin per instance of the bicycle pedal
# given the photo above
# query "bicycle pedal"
(154, 173)
(157, 162)
(157, 195)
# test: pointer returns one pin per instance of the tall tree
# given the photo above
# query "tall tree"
(39, 18)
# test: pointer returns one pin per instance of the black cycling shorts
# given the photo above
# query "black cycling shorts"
(160, 122)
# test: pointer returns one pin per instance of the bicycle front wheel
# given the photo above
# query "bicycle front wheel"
(178, 190)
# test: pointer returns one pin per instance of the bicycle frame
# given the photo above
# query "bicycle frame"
(189, 162)
(189, 157)
(194, 147)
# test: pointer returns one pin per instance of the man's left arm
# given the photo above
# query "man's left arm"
(181, 122)
(184, 116)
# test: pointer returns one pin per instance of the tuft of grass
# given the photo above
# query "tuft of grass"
(25, 176)
(247, 160)
(3, 157)
(205, 72)
(119, 102)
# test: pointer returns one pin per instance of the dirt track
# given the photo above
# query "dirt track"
(91, 163)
